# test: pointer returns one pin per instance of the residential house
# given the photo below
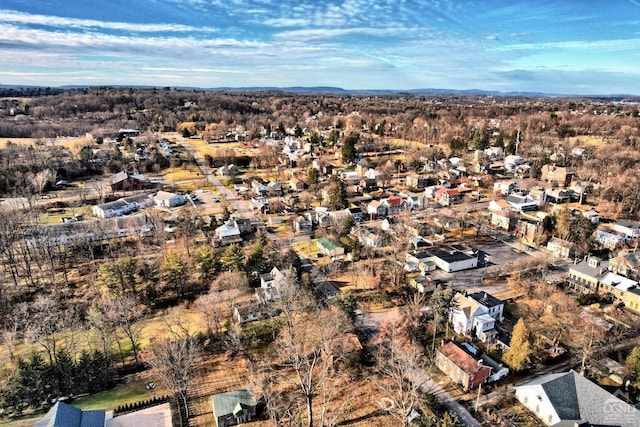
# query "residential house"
(498, 371)
(626, 263)
(228, 233)
(616, 285)
(461, 366)
(368, 185)
(329, 247)
(559, 175)
(295, 184)
(423, 284)
(629, 229)
(501, 214)
(561, 248)
(557, 195)
(64, 415)
(260, 203)
(492, 305)
(376, 209)
(271, 284)
(234, 407)
(476, 315)
(367, 237)
(416, 201)
(274, 189)
(608, 239)
(569, 399)
(168, 200)
(248, 312)
(447, 196)
(258, 188)
(504, 187)
(356, 213)
(511, 162)
(394, 204)
(585, 275)
(417, 182)
(592, 216)
(123, 181)
(302, 224)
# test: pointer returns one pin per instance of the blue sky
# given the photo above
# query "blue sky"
(570, 47)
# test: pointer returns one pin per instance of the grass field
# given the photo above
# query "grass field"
(130, 392)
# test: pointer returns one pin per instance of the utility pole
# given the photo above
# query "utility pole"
(478, 397)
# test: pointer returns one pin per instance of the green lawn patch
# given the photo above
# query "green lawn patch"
(130, 392)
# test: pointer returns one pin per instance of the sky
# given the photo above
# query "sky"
(588, 47)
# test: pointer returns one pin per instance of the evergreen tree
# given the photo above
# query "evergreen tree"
(174, 272)
(337, 194)
(64, 373)
(233, 258)
(349, 148)
(205, 262)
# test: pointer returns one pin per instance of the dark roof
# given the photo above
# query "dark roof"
(575, 398)
(627, 223)
(485, 299)
(64, 415)
(449, 256)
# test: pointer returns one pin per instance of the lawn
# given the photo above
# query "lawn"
(54, 216)
(130, 392)
(17, 141)
(182, 173)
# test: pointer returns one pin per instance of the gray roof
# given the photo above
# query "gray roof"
(584, 268)
(63, 415)
(485, 299)
(226, 403)
(575, 398)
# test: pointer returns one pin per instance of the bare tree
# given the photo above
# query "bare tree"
(174, 362)
(309, 347)
(125, 312)
(398, 362)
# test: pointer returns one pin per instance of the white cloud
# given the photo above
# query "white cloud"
(12, 17)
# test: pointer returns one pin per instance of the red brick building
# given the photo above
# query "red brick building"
(461, 366)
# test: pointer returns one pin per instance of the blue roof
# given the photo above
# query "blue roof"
(64, 415)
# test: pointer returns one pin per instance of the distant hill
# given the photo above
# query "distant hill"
(337, 91)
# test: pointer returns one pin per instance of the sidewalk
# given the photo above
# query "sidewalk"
(431, 387)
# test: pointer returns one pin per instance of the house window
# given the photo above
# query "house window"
(526, 399)
(550, 419)
(537, 409)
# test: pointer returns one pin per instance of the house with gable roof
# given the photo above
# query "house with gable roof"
(568, 399)
(476, 313)
(234, 407)
(461, 366)
(394, 204)
(63, 414)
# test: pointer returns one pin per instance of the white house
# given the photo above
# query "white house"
(476, 313)
(271, 284)
(630, 229)
(567, 399)
(521, 203)
(168, 200)
(228, 233)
